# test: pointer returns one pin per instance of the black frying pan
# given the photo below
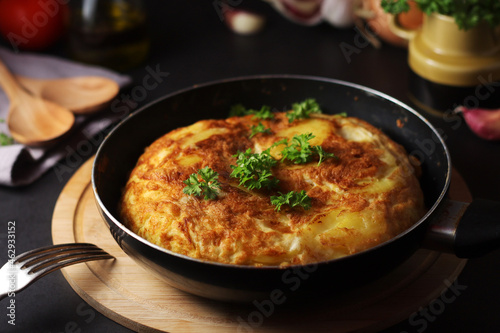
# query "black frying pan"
(120, 150)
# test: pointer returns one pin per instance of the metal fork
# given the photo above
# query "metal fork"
(26, 268)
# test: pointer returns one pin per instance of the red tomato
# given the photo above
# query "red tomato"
(32, 24)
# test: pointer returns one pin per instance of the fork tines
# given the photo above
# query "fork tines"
(47, 259)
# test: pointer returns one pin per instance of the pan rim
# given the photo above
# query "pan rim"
(359, 87)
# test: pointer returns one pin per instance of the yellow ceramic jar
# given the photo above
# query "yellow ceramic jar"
(451, 66)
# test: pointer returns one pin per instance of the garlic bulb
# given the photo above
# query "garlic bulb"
(339, 13)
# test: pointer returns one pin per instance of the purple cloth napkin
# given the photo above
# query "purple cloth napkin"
(21, 165)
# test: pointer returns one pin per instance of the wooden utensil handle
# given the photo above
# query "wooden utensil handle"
(7, 80)
(32, 85)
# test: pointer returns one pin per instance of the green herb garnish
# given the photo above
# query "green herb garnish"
(318, 150)
(264, 113)
(300, 150)
(254, 170)
(260, 128)
(467, 13)
(303, 110)
(6, 140)
(208, 185)
(239, 110)
(395, 6)
(291, 199)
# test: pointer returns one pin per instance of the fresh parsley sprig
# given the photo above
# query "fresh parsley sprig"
(291, 199)
(467, 13)
(6, 140)
(300, 110)
(260, 128)
(264, 113)
(254, 170)
(323, 155)
(395, 6)
(208, 186)
(300, 150)
(303, 109)
(239, 110)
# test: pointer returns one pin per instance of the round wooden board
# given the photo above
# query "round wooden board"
(127, 294)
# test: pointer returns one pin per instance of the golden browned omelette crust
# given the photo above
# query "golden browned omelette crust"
(366, 196)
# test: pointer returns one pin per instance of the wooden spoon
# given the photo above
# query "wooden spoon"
(81, 95)
(33, 121)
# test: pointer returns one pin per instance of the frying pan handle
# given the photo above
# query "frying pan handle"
(468, 230)
(479, 229)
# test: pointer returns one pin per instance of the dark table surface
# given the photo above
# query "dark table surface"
(193, 45)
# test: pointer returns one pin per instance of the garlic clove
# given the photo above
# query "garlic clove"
(483, 122)
(244, 22)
